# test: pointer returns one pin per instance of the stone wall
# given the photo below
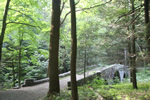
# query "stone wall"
(32, 81)
(107, 73)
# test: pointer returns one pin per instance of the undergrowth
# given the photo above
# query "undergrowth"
(84, 93)
(125, 91)
(116, 91)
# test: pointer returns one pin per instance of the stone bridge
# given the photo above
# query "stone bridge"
(107, 73)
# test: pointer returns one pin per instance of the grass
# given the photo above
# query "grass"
(125, 92)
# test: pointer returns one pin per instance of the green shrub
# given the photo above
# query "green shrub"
(85, 93)
(97, 83)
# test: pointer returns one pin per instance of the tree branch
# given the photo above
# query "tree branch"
(82, 9)
(62, 7)
(77, 2)
(96, 6)
(21, 13)
(25, 16)
(134, 20)
(65, 18)
(130, 12)
(24, 24)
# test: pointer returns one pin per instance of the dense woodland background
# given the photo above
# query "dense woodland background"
(108, 32)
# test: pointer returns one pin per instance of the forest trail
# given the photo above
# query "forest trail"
(38, 91)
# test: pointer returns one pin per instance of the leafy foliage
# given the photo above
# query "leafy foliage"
(101, 32)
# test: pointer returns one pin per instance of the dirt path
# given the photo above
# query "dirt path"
(30, 93)
(36, 92)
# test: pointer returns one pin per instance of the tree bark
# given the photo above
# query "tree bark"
(13, 72)
(74, 90)
(129, 45)
(133, 51)
(19, 64)
(125, 56)
(130, 58)
(85, 58)
(54, 87)
(85, 63)
(146, 2)
(3, 28)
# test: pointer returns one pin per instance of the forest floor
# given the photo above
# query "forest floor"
(38, 91)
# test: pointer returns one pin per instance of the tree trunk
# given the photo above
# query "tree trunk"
(133, 51)
(146, 2)
(13, 72)
(85, 58)
(3, 29)
(130, 58)
(74, 90)
(19, 64)
(54, 87)
(85, 63)
(125, 56)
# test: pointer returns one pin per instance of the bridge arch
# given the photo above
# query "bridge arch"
(116, 74)
(120, 74)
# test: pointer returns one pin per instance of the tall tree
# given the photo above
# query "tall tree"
(133, 50)
(19, 62)
(146, 2)
(129, 46)
(3, 28)
(130, 57)
(54, 48)
(74, 90)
